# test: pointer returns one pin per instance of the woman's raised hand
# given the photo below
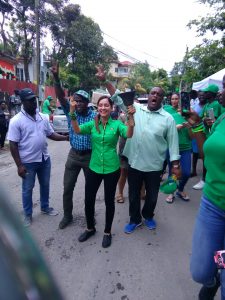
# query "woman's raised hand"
(131, 110)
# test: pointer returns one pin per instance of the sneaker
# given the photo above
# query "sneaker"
(199, 185)
(65, 222)
(130, 227)
(27, 221)
(150, 223)
(50, 211)
(208, 293)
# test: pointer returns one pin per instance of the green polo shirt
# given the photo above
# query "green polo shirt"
(214, 160)
(104, 158)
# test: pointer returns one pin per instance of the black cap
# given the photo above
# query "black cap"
(26, 94)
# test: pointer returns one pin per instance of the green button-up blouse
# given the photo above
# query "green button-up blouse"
(104, 158)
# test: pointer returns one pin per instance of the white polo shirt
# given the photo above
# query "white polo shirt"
(30, 134)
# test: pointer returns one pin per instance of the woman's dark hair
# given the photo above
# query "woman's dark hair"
(97, 118)
(175, 94)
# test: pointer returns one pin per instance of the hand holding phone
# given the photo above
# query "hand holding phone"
(219, 259)
(211, 114)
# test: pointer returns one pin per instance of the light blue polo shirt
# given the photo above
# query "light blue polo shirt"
(30, 134)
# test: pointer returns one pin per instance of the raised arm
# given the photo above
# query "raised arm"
(101, 75)
(130, 123)
(58, 88)
(72, 114)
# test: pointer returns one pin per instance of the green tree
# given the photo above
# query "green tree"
(78, 42)
(20, 30)
(208, 57)
(140, 78)
(160, 78)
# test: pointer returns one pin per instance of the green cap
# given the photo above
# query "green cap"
(213, 88)
(83, 94)
(49, 98)
(169, 186)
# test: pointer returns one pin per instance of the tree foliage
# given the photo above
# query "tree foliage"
(208, 57)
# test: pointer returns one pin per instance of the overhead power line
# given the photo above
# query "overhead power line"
(131, 46)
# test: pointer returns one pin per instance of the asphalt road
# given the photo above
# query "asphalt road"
(141, 266)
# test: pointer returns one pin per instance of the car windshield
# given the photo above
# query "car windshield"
(59, 111)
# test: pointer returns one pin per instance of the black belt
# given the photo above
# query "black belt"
(81, 152)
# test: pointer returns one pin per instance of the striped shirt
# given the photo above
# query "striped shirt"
(79, 141)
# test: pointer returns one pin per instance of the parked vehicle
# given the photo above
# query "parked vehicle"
(59, 121)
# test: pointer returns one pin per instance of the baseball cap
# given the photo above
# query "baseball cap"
(213, 88)
(26, 94)
(49, 98)
(83, 94)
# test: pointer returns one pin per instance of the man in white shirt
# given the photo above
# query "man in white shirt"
(27, 138)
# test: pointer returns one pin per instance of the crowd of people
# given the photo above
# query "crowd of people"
(150, 137)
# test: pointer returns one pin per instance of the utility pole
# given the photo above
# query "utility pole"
(37, 25)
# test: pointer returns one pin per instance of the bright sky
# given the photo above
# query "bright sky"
(155, 31)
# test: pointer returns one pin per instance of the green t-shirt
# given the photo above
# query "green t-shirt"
(104, 157)
(45, 108)
(217, 112)
(214, 160)
(183, 134)
(222, 109)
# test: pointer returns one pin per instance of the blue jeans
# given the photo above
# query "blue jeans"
(208, 237)
(42, 169)
(185, 163)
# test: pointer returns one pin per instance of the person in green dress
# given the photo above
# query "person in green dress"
(104, 163)
(184, 148)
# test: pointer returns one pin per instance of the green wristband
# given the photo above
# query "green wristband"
(72, 116)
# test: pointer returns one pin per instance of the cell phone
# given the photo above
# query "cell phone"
(219, 258)
(211, 114)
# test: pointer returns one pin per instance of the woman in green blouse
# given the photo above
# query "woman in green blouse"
(104, 164)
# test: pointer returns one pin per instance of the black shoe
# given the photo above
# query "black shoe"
(86, 235)
(208, 293)
(65, 222)
(107, 239)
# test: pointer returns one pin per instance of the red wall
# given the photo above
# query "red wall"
(9, 86)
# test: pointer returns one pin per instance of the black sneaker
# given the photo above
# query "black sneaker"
(107, 239)
(65, 222)
(208, 293)
(86, 235)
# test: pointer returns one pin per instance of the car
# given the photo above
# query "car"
(59, 121)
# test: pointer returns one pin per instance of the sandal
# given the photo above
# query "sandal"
(120, 198)
(184, 197)
(170, 198)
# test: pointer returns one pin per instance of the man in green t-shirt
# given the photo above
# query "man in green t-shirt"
(47, 109)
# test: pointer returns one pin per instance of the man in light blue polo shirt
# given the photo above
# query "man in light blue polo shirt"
(27, 137)
(155, 132)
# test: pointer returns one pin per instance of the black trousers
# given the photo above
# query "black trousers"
(152, 182)
(3, 131)
(93, 181)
